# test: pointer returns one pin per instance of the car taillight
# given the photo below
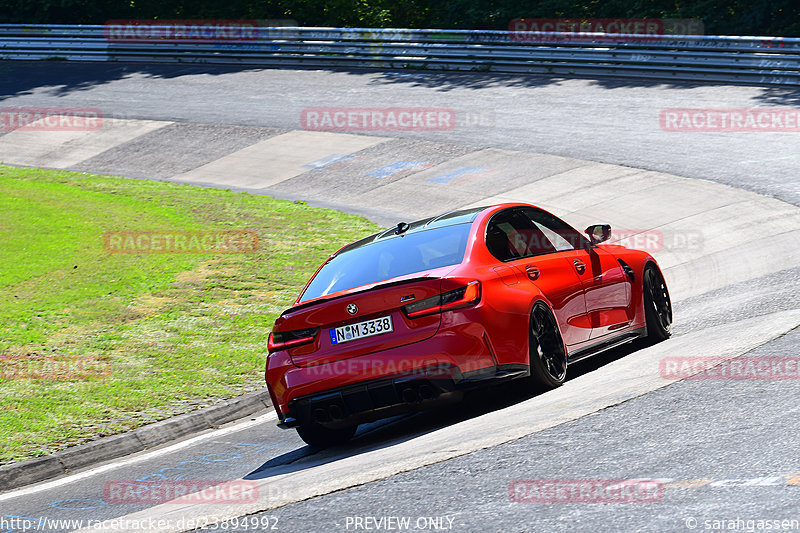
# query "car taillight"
(282, 340)
(470, 294)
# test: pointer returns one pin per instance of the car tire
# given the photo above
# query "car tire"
(321, 437)
(657, 305)
(546, 352)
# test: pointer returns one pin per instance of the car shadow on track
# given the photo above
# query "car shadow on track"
(389, 432)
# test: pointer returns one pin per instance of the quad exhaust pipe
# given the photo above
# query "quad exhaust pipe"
(426, 392)
(423, 393)
(332, 413)
(409, 396)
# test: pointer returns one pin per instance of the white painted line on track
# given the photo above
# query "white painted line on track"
(142, 456)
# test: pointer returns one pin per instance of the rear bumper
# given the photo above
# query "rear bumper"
(375, 399)
(388, 382)
(391, 381)
(382, 398)
(454, 352)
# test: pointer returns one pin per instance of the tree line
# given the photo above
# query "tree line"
(720, 17)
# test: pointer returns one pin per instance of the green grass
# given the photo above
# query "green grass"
(128, 339)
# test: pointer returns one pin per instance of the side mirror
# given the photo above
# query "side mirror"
(598, 232)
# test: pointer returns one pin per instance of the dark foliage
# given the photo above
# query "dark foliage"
(721, 17)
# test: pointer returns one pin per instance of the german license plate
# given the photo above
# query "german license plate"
(360, 330)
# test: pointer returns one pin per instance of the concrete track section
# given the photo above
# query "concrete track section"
(65, 149)
(605, 120)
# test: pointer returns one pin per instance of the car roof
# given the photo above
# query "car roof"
(451, 218)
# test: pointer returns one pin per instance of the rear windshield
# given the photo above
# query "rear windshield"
(390, 257)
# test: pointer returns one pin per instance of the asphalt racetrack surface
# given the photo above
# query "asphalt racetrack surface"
(605, 120)
(724, 452)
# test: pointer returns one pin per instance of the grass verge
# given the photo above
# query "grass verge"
(93, 343)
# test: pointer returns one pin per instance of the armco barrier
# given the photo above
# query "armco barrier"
(752, 60)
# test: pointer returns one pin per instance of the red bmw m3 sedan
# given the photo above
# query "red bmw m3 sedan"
(413, 316)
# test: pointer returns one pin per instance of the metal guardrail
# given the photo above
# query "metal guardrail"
(754, 60)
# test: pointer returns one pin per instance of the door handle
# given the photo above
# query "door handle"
(579, 266)
(533, 272)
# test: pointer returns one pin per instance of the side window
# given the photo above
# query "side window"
(511, 235)
(559, 242)
(559, 233)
